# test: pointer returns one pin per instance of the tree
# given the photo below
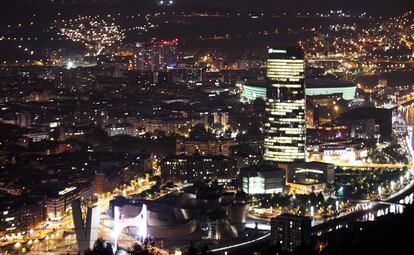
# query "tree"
(100, 248)
(96, 136)
(191, 250)
(205, 250)
(3, 155)
(144, 248)
(313, 199)
(320, 198)
(157, 180)
(198, 132)
(227, 132)
(159, 133)
(259, 105)
(139, 250)
(254, 131)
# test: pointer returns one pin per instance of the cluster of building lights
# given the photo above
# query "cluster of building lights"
(95, 34)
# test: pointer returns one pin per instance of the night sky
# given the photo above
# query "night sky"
(373, 6)
(16, 11)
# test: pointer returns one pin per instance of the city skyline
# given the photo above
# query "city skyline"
(206, 127)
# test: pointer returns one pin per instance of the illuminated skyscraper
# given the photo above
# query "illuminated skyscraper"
(285, 125)
(158, 56)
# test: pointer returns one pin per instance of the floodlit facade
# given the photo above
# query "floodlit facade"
(314, 87)
(285, 106)
(327, 87)
(86, 230)
(262, 179)
(253, 90)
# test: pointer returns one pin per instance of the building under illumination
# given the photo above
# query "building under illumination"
(307, 177)
(321, 88)
(330, 87)
(285, 106)
(290, 231)
(253, 90)
(262, 179)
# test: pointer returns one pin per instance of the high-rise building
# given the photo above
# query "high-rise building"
(23, 119)
(290, 231)
(221, 118)
(285, 106)
(202, 168)
(158, 56)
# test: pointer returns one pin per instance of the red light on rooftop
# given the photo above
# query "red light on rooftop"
(166, 42)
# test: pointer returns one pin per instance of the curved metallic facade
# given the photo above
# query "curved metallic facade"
(285, 106)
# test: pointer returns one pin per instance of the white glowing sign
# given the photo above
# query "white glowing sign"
(301, 170)
(277, 51)
(66, 190)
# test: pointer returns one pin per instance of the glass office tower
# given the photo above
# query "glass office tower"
(285, 125)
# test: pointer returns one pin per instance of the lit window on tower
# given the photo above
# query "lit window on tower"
(285, 106)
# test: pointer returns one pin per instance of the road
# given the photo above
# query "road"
(367, 210)
(55, 241)
(58, 237)
(370, 166)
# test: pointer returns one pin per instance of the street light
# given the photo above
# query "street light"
(336, 108)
